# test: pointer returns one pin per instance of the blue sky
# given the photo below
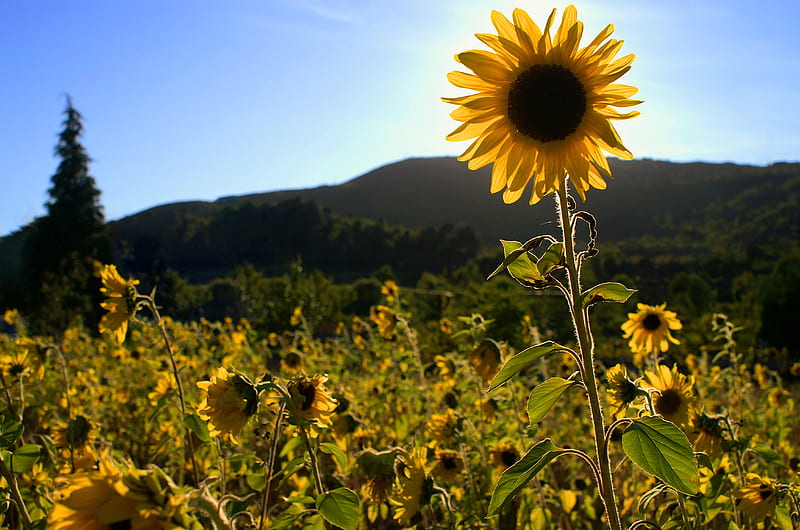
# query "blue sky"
(197, 99)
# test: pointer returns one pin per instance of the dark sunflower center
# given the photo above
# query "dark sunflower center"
(309, 392)
(764, 492)
(546, 102)
(449, 463)
(651, 322)
(509, 458)
(669, 402)
(121, 525)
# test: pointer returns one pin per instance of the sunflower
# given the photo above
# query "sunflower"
(390, 290)
(542, 106)
(378, 468)
(120, 302)
(504, 455)
(649, 328)
(412, 488)
(448, 465)
(675, 393)
(757, 499)
(314, 403)
(486, 359)
(229, 401)
(385, 319)
(621, 390)
(442, 427)
(707, 434)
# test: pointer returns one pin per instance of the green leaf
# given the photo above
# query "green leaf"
(256, 481)
(512, 250)
(39, 524)
(287, 518)
(337, 454)
(340, 507)
(519, 264)
(661, 449)
(10, 431)
(552, 259)
(517, 476)
(606, 292)
(314, 522)
(544, 396)
(523, 359)
(25, 457)
(769, 455)
(197, 426)
(783, 518)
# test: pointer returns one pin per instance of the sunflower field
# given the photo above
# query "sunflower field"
(387, 420)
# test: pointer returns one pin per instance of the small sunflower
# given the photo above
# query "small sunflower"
(649, 328)
(442, 427)
(757, 499)
(675, 393)
(120, 302)
(412, 488)
(543, 106)
(504, 455)
(448, 465)
(385, 319)
(707, 434)
(229, 401)
(314, 403)
(390, 290)
(622, 391)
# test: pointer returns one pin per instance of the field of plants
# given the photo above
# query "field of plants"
(384, 423)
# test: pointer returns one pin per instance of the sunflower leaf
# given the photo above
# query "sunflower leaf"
(337, 454)
(544, 396)
(606, 292)
(10, 431)
(340, 507)
(522, 359)
(552, 259)
(25, 457)
(661, 449)
(517, 476)
(197, 426)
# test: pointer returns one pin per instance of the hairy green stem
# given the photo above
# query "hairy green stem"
(580, 319)
(273, 450)
(11, 480)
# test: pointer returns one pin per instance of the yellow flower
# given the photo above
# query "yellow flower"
(542, 106)
(486, 359)
(448, 465)
(442, 427)
(164, 385)
(229, 400)
(390, 290)
(297, 316)
(756, 499)
(446, 326)
(649, 328)
(120, 302)
(11, 316)
(385, 319)
(412, 489)
(621, 390)
(24, 360)
(706, 434)
(314, 403)
(504, 455)
(378, 468)
(675, 393)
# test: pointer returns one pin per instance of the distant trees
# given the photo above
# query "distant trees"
(62, 246)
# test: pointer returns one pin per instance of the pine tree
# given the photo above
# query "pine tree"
(63, 245)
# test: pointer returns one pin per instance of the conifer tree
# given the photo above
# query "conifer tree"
(64, 244)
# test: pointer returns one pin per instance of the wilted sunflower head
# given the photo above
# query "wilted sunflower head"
(229, 400)
(543, 105)
(120, 302)
(448, 465)
(757, 499)
(378, 468)
(649, 328)
(442, 427)
(622, 391)
(674, 393)
(486, 359)
(707, 433)
(314, 404)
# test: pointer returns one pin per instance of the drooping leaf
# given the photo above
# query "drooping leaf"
(520, 267)
(523, 359)
(769, 455)
(661, 449)
(544, 396)
(517, 476)
(551, 259)
(340, 507)
(512, 250)
(606, 292)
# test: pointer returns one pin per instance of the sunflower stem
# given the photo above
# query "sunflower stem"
(580, 318)
(273, 450)
(151, 305)
(11, 480)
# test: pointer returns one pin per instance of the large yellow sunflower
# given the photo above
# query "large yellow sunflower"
(649, 328)
(543, 105)
(229, 400)
(757, 499)
(675, 393)
(315, 403)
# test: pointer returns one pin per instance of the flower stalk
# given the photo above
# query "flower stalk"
(580, 318)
